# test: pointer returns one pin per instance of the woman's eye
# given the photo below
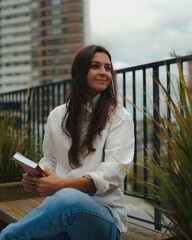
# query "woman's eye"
(94, 66)
(108, 68)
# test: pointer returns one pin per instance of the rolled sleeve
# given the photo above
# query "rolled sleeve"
(49, 155)
(118, 151)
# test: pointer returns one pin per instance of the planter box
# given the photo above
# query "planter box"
(14, 191)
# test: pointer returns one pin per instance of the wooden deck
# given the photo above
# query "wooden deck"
(15, 209)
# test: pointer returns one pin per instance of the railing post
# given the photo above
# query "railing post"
(29, 108)
(124, 104)
(156, 141)
(124, 90)
(42, 111)
(145, 130)
(135, 133)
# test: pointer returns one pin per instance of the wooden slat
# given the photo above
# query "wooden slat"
(12, 211)
(14, 191)
(139, 232)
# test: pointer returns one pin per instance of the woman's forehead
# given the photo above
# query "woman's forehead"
(101, 57)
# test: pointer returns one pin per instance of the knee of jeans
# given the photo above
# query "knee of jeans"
(68, 197)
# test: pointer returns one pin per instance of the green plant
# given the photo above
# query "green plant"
(173, 175)
(15, 139)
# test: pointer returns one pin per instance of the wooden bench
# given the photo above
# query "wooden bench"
(14, 207)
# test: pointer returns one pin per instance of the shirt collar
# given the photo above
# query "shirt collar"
(89, 106)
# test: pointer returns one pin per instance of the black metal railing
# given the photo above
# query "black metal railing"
(33, 105)
(138, 82)
(135, 84)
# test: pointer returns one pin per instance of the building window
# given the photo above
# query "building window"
(56, 51)
(8, 84)
(7, 27)
(43, 32)
(34, 43)
(49, 31)
(57, 71)
(34, 53)
(35, 63)
(65, 19)
(33, 15)
(56, 41)
(66, 60)
(7, 36)
(55, 2)
(55, 11)
(34, 34)
(25, 63)
(34, 5)
(56, 21)
(9, 55)
(56, 31)
(35, 73)
(34, 24)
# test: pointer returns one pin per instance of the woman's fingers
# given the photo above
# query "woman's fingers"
(29, 183)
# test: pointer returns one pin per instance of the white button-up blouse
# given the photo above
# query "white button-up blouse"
(114, 148)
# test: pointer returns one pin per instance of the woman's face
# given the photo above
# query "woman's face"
(99, 74)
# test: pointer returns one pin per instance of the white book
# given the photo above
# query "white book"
(29, 166)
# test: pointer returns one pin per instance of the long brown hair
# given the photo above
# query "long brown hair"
(105, 106)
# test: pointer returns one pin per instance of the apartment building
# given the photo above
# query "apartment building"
(15, 52)
(38, 39)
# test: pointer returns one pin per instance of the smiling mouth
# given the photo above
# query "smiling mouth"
(101, 80)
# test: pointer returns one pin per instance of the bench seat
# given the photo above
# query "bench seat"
(12, 211)
(15, 203)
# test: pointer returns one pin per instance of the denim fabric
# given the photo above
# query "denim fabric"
(68, 215)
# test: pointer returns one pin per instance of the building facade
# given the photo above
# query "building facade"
(38, 40)
(15, 52)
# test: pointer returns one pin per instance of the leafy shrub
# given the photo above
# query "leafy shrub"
(15, 139)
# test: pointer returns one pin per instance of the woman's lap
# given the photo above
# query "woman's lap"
(68, 214)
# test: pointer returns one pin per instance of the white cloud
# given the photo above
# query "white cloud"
(141, 31)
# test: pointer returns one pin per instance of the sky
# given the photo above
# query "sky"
(141, 31)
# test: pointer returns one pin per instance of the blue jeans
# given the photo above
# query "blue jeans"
(68, 215)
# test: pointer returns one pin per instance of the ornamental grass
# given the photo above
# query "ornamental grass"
(174, 174)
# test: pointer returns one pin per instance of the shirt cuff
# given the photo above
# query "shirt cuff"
(101, 185)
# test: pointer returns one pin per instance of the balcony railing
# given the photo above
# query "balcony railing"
(134, 83)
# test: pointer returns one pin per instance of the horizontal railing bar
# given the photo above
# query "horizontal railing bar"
(141, 219)
(141, 196)
(155, 64)
(145, 220)
(37, 87)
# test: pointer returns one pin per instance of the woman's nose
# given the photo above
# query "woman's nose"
(102, 70)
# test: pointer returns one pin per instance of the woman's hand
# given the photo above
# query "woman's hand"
(46, 186)
(49, 185)
(29, 183)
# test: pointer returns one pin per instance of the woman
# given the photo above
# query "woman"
(86, 142)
